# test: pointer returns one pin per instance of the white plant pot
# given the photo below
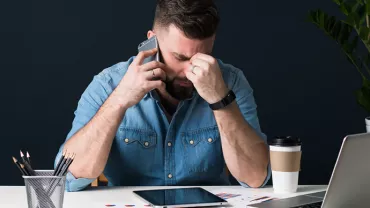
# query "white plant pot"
(367, 122)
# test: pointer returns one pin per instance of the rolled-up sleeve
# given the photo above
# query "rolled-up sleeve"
(88, 105)
(248, 107)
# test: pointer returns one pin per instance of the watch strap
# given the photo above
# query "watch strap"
(229, 98)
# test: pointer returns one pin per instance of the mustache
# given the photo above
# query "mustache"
(172, 79)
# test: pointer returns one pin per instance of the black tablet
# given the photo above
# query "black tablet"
(180, 197)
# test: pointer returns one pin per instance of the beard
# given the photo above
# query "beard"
(178, 91)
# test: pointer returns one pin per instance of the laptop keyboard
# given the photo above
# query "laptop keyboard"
(313, 205)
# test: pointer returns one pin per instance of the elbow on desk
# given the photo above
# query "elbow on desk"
(74, 184)
(255, 181)
(84, 172)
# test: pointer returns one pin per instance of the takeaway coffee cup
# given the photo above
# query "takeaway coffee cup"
(367, 122)
(285, 158)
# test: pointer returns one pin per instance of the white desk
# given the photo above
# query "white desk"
(98, 197)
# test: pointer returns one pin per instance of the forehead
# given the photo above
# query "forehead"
(174, 40)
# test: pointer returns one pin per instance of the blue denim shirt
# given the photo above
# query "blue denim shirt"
(148, 149)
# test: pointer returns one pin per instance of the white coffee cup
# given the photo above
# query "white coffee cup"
(367, 122)
(285, 158)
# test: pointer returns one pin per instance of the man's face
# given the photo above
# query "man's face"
(176, 50)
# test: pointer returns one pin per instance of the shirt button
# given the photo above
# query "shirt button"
(126, 140)
(191, 142)
(210, 140)
(169, 144)
(170, 175)
(146, 144)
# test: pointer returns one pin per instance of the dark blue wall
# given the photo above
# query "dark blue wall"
(50, 50)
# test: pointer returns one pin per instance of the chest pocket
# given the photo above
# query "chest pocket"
(137, 149)
(203, 152)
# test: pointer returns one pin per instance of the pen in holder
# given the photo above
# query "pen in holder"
(45, 190)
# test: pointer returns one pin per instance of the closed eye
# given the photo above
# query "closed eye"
(181, 57)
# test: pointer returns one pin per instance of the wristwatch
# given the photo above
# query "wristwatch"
(229, 98)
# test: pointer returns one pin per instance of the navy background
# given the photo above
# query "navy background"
(50, 51)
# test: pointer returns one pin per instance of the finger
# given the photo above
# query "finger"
(152, 65)
(200, 63)
(196, 70)
(203, 56)
(156, 84)
(190, 75)
(156, 74)
(142, 55)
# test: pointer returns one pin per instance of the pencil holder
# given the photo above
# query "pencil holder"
(45, 190)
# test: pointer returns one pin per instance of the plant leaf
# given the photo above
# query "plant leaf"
(343, 34)
(367, 59)
(353, 44)
(310, 17)
(336, 30)
(331, 22)
(344, 8)
(361, 11)
(354, 18)
(363, 95)
(323, 16)
(364, 33)
(351, 58)
(367, 7)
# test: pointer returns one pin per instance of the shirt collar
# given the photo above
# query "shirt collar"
(153, 94)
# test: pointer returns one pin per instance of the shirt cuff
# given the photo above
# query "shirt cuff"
(76, 184)
(264, 183)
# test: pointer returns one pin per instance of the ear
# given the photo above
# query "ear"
(150, 34)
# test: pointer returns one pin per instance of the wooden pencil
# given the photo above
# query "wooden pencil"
(62, 172)
(28, 158)
(26, 164)
(66, 166)
(22, 155)
(19, 166)
(25, 170)
(57, 168)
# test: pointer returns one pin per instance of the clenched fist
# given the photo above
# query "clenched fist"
(207, 78)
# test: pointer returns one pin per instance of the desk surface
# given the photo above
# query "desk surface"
(98, 197)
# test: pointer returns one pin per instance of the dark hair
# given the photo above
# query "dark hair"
(197, 19)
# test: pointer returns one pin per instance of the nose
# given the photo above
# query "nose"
(186, 66)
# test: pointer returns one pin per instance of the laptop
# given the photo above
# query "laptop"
(349, 185)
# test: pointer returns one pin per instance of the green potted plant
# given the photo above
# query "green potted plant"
(350, 32)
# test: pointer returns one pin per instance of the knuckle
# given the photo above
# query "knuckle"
(141, 53)
(157, 64)
(208, 66)
(162, 85)
(213, 61)
(153, 64)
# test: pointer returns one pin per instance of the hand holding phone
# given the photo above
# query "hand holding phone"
(141, 78)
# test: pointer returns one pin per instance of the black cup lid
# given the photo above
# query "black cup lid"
(285, 141)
